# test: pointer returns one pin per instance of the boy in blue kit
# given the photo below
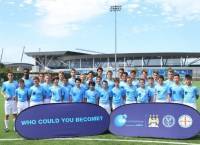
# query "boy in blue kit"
(92, 95)
(110, 80)
(100, 73)
(98, 84)
(170, 80)
(36, 93)
(21, 96)
(122, 83)
(66, 90)
(161, 91)
(118, 95)
(77, 93)
(46, 86)
(191, 93)
(105, 96)
(130, 90)
(61, 76)
(176, 91)
(135, 81)
(28, 82)
(151, 87)
(143, 93)
(71, 80)
(8, 91)
(56, 91)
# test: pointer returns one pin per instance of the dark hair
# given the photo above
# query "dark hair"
(98, 77)
(100, 68)
(141, 79)
(55, 78)
(150, 78)
(156, 72)
(121, 69)
(91, 72)
(73, 69)
(78, 79)
(91, 83)
(134, 71)
(116, 80)
(109, 71)
(26, 69)
(170, 70)
(161, 77)
(125, 73)
(144, 70)
(188, 77)
(36, 78)
(104, 81)
(177, 75)
(61, 72)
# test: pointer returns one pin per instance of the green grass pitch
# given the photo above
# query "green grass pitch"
(12, 135)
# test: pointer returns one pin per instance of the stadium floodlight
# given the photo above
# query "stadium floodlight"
(115, 8)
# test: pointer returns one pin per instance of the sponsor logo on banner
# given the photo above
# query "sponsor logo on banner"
(168, 121)
(185, 121)
(158, 120)
(153, 121)
(62, 120)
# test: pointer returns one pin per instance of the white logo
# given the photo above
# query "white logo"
(185, 121)
(153, 121)
(168, 121)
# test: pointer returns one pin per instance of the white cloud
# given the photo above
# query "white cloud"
(143, 29)
(28, 2)
(59, 17)
(132, 7)
(11, 2)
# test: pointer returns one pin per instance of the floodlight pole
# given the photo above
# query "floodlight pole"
(115, 8)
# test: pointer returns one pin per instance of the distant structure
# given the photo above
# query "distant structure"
(18, 66)
(84, 62)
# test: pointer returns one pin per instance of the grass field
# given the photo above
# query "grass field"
(106, 139)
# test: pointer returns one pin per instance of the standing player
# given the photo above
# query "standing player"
(170, 76)
(66, 91)
(28, 82)
(161, 91)
(105, 96)
(176, 91)
(56, 91)
(191, 93)
(133, 74)
(100, 73)
(131, 94)
(77, 93)
(8, 90)
(120, 73)
(143, 93)
(46, 85)
(98, 85)
(71, 80)
(21, 96)
(151, 87)
(41, 78)
(36, 93)
(144, 75)
(110, 80)
(155, 76)
(118, 95)
(122, 83)
(61, 76)
(92, 95)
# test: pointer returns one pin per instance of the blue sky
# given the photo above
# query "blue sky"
(143, 26)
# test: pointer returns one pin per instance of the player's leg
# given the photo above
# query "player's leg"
(7, 109)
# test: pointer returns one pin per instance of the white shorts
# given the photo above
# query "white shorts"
(52, 101)
(161, 101)
(10, 107)
(32, 103)
(193, 105)
(179, 102)
(130, 102)
(47, 101)
(106, 107)
(21, 106)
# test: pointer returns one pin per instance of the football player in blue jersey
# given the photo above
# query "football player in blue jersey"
(46, 86)
(120, 73)
(170, 77)
(8, 91)
(98, 84)
(28, 82)
(41, 78)
(77, 93)
(191, 93)
(135, 81)
(105, 97)
(36, 93)
(92, 95)
(100, 73)
(118, 95)
(143, 93)
(71, 80)
(61, 76)
(56, 91)
(161, 91)
(66, 90)
(110, 80)
(130, 90)
(122, 83)
(176, 91)
(151, 87)
(21, 96)
(155, 76)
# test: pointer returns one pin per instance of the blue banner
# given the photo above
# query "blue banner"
(62, 120)
(159, 120)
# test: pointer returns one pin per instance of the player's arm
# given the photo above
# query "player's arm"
(3, 89)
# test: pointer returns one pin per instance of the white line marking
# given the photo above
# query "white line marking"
(109, 140)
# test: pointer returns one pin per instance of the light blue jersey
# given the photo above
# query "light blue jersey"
(66, 92)
(47, 90)
(131, 94)
(191, 94)
(9, 89)
(135, 83)
(152, 91)
(98, 87)
(36, 93)
(161, 92)
(103, 77)
(117, 96)
(71, 81)
(60, 83)
(84, 87)
(105, 96)
(77, 94)
(28, 83)
(143, 95)
(169, 82)
(111, 84)
(176, 92)
(122, 84)
(92, 96)
(22, 94)
(56, 93)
